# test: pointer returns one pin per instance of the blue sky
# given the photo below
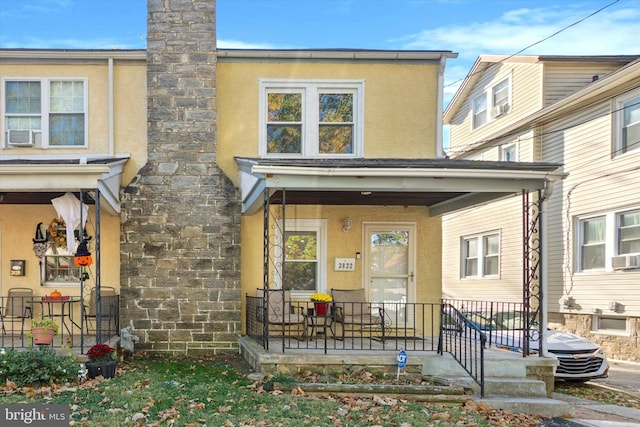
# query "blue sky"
(468, 27)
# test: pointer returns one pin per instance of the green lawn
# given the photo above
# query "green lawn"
(214, 391)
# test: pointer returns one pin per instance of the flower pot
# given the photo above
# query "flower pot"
(321, 308)
(106, 369)
(43, 336)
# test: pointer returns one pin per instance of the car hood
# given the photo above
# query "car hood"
(563, 341)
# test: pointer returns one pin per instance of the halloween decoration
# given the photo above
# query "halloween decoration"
(57, 232)
(74, 214)
(39, 242)
(83, 256)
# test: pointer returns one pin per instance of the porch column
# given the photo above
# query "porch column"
(532, 286)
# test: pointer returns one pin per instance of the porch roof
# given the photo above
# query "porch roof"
(443, 185)
(37, 181)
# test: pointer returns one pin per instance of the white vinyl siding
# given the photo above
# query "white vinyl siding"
(562, 80)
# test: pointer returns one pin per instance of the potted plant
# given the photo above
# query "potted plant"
(43, 330)
(101, 361)
(321, 302)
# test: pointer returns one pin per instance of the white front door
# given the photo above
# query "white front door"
(390, 268)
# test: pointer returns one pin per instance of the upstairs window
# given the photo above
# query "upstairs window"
(509, 153)
(494, 102)
(627, 118)
(480, 111)
(45, 113)
(311, 119)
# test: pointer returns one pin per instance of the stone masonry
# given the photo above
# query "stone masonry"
(180, 249)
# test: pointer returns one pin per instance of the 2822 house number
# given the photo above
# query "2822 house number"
(344, 264)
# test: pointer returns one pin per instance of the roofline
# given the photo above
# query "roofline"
(358, 54)
(483, 61)
(618, 77)
(136, 54)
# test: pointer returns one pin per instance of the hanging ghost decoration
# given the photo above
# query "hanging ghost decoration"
(39, 242)
(83, 256)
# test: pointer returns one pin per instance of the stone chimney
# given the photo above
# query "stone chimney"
(180, 248)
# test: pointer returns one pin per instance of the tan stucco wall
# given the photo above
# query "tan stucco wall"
(17, 229)
(341, 244)
(399, 113)
(130, 107)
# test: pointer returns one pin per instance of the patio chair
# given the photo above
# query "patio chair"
(280, 313)
(356, 315)
(108, 309)
(17, 308)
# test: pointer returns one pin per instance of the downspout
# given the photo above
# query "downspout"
(110, 107)
(440, 154)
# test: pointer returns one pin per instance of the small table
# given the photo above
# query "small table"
(319, 323)
(64, 311)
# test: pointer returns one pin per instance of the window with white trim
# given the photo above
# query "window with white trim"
(603, 237)
(45, 112)
(304, 269)
(494, 102)
(592, 243)
(627, 123)
(481, 255)
(610, 325)
(311, 118)
(509, 153)
(59, 267)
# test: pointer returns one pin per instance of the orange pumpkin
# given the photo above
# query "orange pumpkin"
(56, 294)
(82, 260)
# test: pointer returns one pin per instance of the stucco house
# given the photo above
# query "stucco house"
(223, 152)
(581, 112)
(73, 127)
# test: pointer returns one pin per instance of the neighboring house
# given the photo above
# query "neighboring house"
(71, 121)
(582, 112)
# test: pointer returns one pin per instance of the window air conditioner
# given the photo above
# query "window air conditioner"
(20, 137)
(625, 262)
(499, 110)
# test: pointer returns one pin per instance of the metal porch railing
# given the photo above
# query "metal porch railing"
(77, 329)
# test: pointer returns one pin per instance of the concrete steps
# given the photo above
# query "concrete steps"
(507, 386)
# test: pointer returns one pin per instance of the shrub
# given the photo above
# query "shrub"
(37, 366)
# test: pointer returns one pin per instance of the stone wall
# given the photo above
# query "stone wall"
(180, 249)
(619, 347)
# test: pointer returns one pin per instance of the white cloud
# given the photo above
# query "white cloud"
(236, 44)
(612, 31)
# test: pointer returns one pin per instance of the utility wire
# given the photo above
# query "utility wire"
(538, 42)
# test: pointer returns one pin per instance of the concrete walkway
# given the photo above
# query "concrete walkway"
(592, 414)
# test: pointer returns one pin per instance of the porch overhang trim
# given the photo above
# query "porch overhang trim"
(105, 177)
(475, 186)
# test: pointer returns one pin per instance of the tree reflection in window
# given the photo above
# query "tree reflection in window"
(301, 260)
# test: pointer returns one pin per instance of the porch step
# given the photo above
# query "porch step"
(494, 366)
(511, 387)
(521, 405)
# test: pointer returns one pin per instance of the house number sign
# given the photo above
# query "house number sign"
(344, 264)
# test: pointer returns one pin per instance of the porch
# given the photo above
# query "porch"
(81, 322)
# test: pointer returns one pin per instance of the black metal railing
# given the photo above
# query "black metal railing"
(345, 326)
(504, 324)
(464, 341)
(78, 326)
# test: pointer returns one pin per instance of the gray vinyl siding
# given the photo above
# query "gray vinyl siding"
(562, 79)
(526, 97)
(503, 217)
(597, 184)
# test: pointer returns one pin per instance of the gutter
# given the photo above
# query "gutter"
(404, 172)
